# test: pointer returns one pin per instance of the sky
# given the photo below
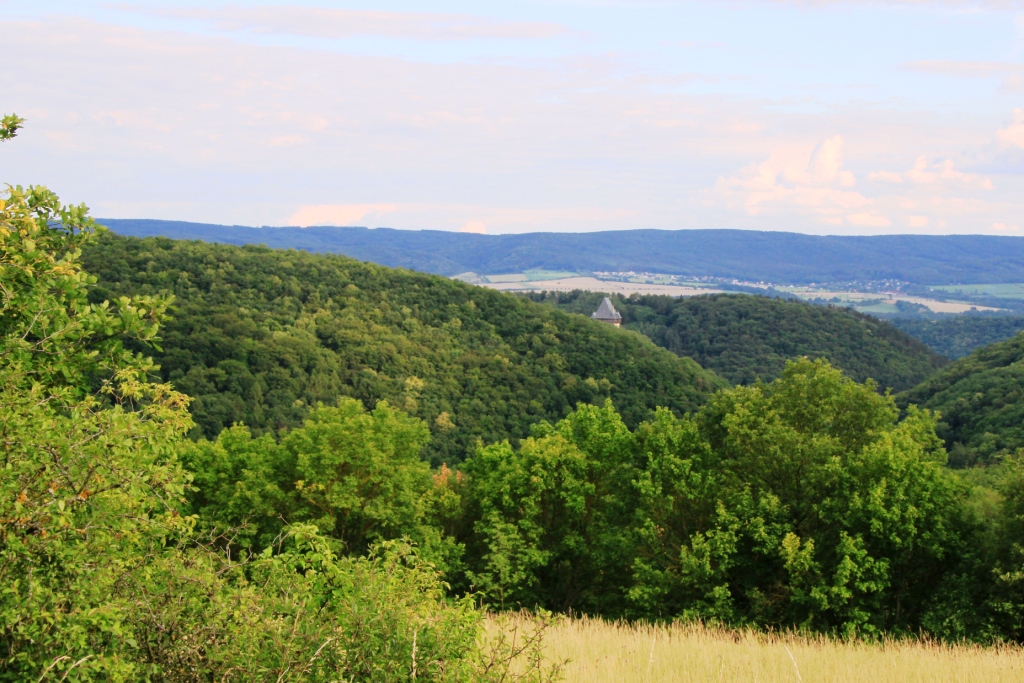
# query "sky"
(816, 116)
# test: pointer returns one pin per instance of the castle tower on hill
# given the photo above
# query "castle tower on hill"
(606, 313)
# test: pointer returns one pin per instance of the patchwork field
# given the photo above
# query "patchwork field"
(603, 652)
(879, 303)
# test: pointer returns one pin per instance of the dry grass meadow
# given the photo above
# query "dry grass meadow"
(604, 652)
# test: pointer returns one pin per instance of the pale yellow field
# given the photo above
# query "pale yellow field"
(592, 284)
(935, 306)
(603, 652)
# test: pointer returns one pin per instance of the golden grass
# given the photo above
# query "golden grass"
(601, 651)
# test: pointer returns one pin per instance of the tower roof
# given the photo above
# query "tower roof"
(606, 311)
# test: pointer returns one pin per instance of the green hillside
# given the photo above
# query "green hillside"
(981, 399)
(957, 336)
(259, 336)
(744, 338)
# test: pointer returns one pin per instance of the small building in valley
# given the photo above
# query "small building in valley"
(606, 313)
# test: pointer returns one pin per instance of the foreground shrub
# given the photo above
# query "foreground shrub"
(102, 578)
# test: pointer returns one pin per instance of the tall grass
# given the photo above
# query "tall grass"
(600, 651)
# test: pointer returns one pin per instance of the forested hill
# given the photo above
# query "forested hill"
(957, 336)
(744, 254)
(745, 337)
(259, 336)
(981, 399)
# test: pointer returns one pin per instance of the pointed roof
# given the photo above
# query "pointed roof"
(606, 311)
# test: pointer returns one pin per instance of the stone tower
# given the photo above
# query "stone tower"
(606, 313)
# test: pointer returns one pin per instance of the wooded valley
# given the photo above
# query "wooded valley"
(235, 463)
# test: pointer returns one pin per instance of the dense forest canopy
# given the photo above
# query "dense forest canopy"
(957, 336)
(778, 257)
(259, 336)
(744, 338)
(981, 400)
(804, 503)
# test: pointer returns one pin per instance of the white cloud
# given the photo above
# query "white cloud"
(1003, 227)
(1013, 134)
(338, 214)
(918, 221)
(814, 185)
(476, 227)
(885, 177)
(826, 166)
(925, 172)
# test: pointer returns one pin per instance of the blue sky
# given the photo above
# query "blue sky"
(815, 116)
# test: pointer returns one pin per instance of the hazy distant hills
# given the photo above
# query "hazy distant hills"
(749, 255)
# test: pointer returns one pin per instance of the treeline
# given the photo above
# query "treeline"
(259, 336)
(744, 338)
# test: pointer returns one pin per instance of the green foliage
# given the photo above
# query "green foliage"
(832, 515)
(90, 482)
(9, 126)
(298, 612)
(260, 336)
(316, 544)
(980, 402)
(745, 338)
(957, 336)
(801, 503)
(356, 475)
(1009, 569)
(102, 578)
(548, 516)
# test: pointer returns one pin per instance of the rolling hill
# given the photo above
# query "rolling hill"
(259, 336)
(745, 337)
(748, 255)
(957, 336)
(981, 400)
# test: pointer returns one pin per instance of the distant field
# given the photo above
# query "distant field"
(888, 301)
(592, 284)
(603, 652)
(529, 276)
(1003, 291)
(654, 283)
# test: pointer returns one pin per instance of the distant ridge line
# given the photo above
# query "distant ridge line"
(781, 257)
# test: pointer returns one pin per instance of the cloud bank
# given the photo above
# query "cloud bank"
(174, 124)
